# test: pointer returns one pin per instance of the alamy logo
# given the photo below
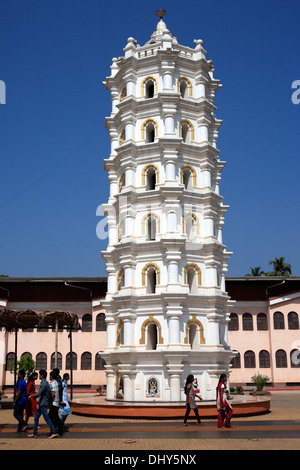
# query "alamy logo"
(296, 94)
(128, 221)
(2, 92)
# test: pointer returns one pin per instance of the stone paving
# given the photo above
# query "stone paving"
(277, 430)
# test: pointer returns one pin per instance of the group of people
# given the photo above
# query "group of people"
(55, 397)
(223, 404)
(52, 396)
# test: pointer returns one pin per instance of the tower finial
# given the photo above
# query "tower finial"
(160, 13)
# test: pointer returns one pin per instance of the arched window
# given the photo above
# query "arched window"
(280, 356)
(278, 321)
(187, 178)
(295, 358)
(186, 130)
(151, 227)
(121, 230)
(151, 178)
(99, 362)
(151, 280)
(120, 333)
(100, 322)
(10, 361)
(264, 359)
(262, 322)
(150, 277)
(41, 361)
(59, 361)
(233, 324)
(121, 182)
(190, 226)
(122, 137)
(86, 361)
(236, 361)
(184, 87)
(152, 335)
(74, 361)
(150, 132)
(149, 88)
(247, 322)
(249, 360)
(87, 322)
(192, 277)
(194, 335)
(293, 321)
(24, 354)
(121, 278)
(123, 94)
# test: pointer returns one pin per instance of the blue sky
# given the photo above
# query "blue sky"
(55, 55)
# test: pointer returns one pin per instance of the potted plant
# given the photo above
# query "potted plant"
(260, 383)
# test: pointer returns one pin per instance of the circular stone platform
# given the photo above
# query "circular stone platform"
(99, 406)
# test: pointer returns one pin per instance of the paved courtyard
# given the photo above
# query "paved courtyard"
(277, 430)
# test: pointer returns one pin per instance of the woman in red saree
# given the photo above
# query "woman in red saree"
(224, 408)
(31, 405)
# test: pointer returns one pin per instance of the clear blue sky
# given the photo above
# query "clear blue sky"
(55, 55)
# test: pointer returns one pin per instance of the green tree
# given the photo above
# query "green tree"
(256, 272)
(26, 363)
(280, 267)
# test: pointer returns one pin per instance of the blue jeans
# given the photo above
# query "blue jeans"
(18, 414)
(42, 410)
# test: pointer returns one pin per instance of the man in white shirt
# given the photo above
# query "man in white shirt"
(54, 407)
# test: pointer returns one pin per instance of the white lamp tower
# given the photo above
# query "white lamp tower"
(166, 305)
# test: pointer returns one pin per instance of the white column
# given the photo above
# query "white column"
(170, 170)
(174, 385)
(110, 333)
(172, 272)
(174, 329)
(130, 175)
(213, 330)
(114, 140)
(203, 133)
(114, 100)
(128, 381)
(209, 226)
(206, 177)
(167, 80)
(110, 387)
(113, 184)
(171, 221)
(169, 123)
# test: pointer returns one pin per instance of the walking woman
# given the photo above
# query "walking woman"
(31, 405)
(190, 399)
(224, 408)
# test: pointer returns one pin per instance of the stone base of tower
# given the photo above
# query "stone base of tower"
(101, 407)
(147, 376)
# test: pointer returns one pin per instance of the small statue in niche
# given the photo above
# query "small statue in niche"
(152, 386)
